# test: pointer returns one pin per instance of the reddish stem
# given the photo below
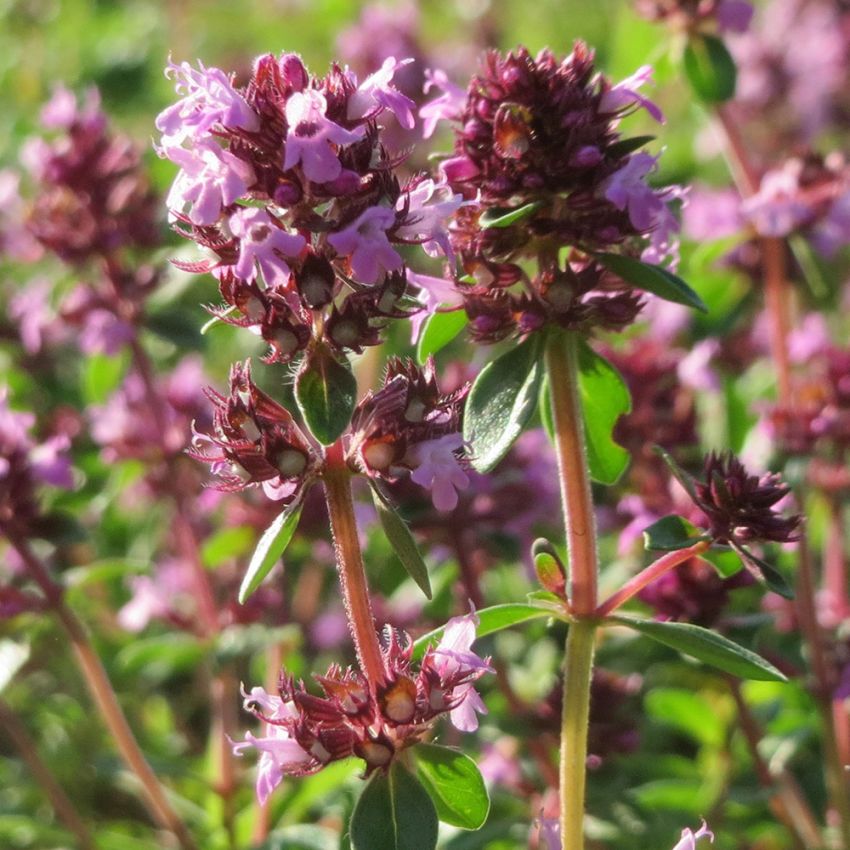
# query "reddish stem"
(104, 695)
(655, 570)
(349, 560)
(562, 368)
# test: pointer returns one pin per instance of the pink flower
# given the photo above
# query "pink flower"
(211, 178)
(689, 839)
(447, 107)
(263, 244)
(375, 94)
(625, 94)
(310, 136)
(365, 242)
(429, 207)
(438, 470)
(777, 209)
(50, 465)
(208, 99)
(734, 15)
(454, 659)
(435, 292)
(279, 752)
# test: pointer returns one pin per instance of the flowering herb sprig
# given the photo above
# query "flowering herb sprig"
(549, 178)
(288, 187)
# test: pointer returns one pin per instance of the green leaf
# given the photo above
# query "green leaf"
(454, 784)
(686, 480)
(706, 646)
(710, 68)
(439, 330)
(500, 217)
(226, 544)
(326, 393)
(394, 812)
(670, 533)
(774, 579)
(402, 542)
(272, 544)
(604, 398)
(161, 656)
(101, 376)
(13, 656)
(550, 570)
(652, 279)
(501, 402)
(490, 620)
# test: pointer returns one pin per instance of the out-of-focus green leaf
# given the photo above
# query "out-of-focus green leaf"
(710, 68)
(226, 544)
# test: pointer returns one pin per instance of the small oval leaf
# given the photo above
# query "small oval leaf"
(454, 784)
(439, 330)
(499, 217)
(394, 812)
(272, 544)
(706, 646)
(502, 400)
(326, 393)
(710, 68)
(402, 542)
(652, 279)
(670, 533)
(604, 399)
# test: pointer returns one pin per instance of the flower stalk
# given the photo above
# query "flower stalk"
(654, 571)
(352, 576)
(562, 368)
(561, 358)
(578, 673)
(104, 695)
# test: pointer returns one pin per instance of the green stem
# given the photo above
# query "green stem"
(562, 369)
(578, 671)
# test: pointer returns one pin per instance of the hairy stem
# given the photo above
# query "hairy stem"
(104, 696)
(64, 808)
(349, 560)
(562, 368)
(578, 672)
(561, 358)
(655, 570)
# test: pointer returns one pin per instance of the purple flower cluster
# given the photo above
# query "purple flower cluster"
(539, 137)
(287, 183)
(372, 721)
(26, 464)
(410, 425)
